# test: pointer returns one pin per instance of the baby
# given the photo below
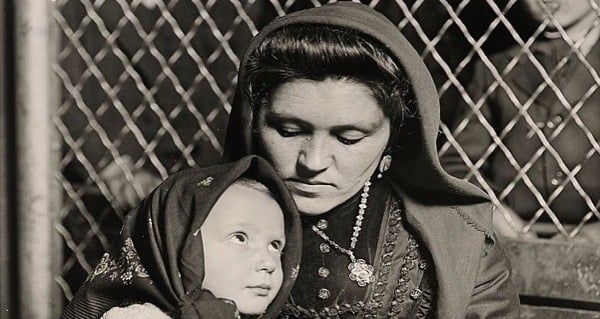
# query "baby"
(206, 243)
(243, 239)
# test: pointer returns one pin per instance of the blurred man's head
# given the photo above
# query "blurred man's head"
(567, 13)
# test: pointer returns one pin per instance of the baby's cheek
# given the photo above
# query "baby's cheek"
(278, 278)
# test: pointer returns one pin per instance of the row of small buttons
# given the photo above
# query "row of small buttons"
(557, 179)
(551, 124)
(323, 272)
(554, 122)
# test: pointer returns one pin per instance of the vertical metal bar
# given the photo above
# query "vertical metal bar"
(7, 251)
(37, 156)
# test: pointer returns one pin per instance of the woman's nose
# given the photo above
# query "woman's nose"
(314, 156)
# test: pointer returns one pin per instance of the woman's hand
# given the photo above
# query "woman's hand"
(136, 311)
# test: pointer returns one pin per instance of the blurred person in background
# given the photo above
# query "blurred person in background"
(571, 190)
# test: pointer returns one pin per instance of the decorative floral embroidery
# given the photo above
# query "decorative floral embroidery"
(412, 254)
(124, 267)
(206, 182)
(292, 311)
(294, 272)
(393, 227)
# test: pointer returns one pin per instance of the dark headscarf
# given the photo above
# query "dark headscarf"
(416, 169)
(160, 257)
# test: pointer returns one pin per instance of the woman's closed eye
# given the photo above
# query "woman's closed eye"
(350, 138)
(289, 132)
(349, 141)
(238, 238)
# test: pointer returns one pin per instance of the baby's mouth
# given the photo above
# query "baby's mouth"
(260, 290)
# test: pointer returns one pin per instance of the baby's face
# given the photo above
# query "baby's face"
(243, 239)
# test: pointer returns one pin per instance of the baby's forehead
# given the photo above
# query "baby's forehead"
(247, 209)
(249, 183)
(247, 198)
(249, 189)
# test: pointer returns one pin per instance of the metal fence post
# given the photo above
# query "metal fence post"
(7, 251)
(37, 152)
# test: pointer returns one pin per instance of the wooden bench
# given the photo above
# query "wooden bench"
(556, 279)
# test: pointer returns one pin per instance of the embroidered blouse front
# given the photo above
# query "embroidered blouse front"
(403, 286)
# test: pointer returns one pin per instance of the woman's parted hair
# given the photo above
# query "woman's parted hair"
(320, 52)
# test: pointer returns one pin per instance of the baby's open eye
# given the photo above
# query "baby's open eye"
(239, 238)
(277, 245)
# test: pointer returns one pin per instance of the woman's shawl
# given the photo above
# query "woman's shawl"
(160, 256)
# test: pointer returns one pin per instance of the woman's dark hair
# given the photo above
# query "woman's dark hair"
(318, 52)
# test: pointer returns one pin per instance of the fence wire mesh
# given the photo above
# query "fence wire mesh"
(148, 85)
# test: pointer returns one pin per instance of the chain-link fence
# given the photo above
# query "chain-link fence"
(147, 87)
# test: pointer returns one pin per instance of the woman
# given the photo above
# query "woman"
(344, 109)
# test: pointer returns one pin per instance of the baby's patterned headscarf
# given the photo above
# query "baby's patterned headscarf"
(159, 258)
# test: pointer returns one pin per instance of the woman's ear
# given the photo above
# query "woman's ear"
(384, 165)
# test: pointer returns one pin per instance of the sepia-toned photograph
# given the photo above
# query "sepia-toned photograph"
(257, 159)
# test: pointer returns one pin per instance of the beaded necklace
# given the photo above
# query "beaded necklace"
(360, 271)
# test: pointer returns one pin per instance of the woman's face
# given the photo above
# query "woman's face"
(325, 138)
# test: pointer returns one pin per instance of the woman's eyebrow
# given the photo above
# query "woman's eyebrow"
(274, 117)
(366, 128)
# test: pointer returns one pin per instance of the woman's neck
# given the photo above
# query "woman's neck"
(348, 206)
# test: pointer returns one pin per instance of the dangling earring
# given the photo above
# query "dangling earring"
(384, 165)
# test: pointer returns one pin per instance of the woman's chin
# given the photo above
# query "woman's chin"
(313, 206)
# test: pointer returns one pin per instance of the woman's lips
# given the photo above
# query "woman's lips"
(307, 188)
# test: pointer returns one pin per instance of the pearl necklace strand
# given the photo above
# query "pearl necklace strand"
(360, 271)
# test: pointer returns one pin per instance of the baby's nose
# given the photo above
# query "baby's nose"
(267, 263)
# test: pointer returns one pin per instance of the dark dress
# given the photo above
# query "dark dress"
(404, 291)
